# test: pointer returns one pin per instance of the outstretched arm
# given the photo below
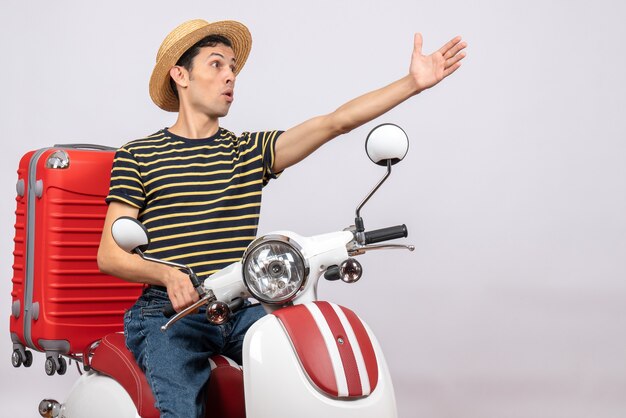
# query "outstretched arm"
(425, 71)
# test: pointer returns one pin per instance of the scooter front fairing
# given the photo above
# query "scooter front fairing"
(315, 360)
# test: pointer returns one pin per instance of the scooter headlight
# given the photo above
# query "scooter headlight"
(274, 269)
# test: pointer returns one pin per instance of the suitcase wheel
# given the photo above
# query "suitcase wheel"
(50, 366)
(18, 358)
(55, 365)
(62, 366)
(28, 361)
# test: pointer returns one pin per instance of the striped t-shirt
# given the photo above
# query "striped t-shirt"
(200, 199)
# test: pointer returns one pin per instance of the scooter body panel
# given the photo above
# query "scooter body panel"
(97, 396)
(276, 384)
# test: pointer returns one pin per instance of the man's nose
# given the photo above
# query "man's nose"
(230, 78)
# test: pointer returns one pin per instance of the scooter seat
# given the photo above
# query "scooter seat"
(225, 394)
(112, 358)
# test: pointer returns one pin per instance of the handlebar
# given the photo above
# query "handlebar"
(234, 305)
(386, 234)
(168, 311)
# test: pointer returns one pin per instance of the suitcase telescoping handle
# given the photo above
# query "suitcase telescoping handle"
(88, 146)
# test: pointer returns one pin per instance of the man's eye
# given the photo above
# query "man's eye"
(215, 64)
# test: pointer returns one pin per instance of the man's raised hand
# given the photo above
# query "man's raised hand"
(428, 70)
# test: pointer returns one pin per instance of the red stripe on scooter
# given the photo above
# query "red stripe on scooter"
(346, 352)
(219, 360)
(367, 350)
(310, 346)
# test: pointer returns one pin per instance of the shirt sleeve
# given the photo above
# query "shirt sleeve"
(126, 183)
(267, 142)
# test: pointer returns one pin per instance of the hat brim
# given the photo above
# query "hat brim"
(160, 89)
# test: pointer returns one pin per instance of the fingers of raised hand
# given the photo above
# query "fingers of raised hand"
(454, 60)
(448, 49)
(449, 70)
(454, 50)
(417, 43)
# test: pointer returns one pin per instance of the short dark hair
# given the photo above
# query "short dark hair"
(186, 60)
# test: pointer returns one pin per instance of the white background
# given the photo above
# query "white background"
(514, 189)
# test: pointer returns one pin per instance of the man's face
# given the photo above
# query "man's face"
(212, 80)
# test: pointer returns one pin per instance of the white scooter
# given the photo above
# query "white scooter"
(306, 358)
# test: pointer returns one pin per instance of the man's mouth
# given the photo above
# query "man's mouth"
(229, 95)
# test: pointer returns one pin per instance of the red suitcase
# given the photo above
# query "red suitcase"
(61, 303)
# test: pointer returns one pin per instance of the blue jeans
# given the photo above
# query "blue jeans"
(176, 361)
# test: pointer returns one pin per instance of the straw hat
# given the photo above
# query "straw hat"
(183, 37)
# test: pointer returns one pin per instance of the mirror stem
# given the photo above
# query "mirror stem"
(192, 276)
(358, 221)
(167, 263)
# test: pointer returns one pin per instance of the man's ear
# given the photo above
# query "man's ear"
(180, 76)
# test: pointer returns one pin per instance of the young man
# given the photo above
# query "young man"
(197, 189)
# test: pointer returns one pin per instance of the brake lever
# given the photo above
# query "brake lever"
(205, 300)
(362, 249)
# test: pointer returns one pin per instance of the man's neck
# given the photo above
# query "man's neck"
(196, 126)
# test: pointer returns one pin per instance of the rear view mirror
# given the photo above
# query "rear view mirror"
(386, 145)
(387, 142)
(130, 234)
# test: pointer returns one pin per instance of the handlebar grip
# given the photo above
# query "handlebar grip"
(386, 234)
(168, 310)
(236, 304)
